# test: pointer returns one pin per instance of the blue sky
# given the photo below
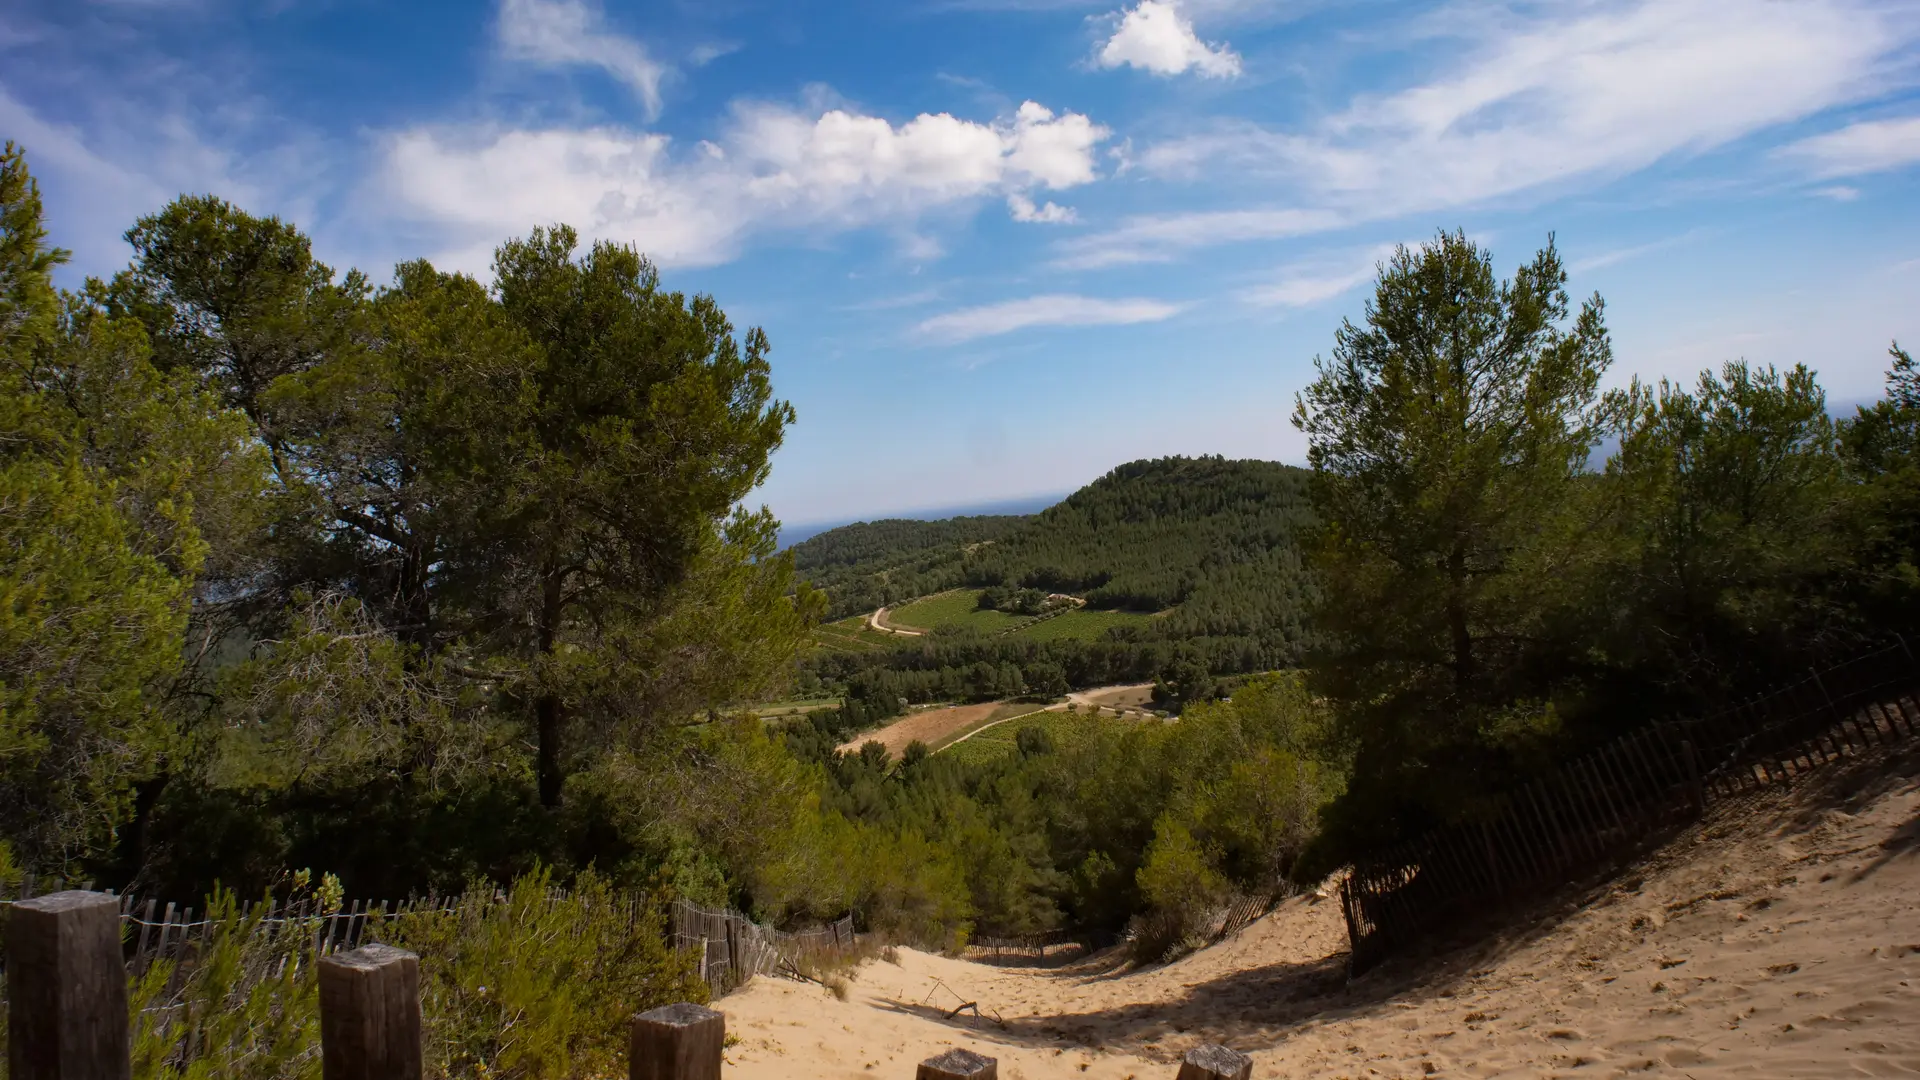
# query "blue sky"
(1003, 245)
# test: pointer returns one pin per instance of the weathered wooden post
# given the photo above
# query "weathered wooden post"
(958, 1064)
(67, 986)
(1215, 1062)
(677, 1042)
(370, 1015)
(1694, 792)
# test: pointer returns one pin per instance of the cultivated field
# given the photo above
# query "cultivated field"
(1066, 728)
(960, 608)
(956, 607)
(1083, 624)
(850, 635)
(940, 726)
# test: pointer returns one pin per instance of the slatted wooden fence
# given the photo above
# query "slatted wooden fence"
(1609, 802)
(734, 948)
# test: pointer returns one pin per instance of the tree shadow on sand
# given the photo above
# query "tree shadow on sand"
(1259, 1006)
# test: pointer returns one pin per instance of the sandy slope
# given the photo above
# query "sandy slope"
(1780, 938)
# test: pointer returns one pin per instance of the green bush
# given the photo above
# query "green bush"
(534, 984)
(537, 984)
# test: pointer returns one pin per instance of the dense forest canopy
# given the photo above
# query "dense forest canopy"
(1154, 534)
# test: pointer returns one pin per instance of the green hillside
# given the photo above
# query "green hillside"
(1180, 570)
(866, 565)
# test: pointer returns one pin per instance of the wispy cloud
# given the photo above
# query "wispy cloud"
(1600, 260)
(896, 301)
(773, 168)
(1307, 283)
(1159, 237)
(1866, 147)
(989, 320)
(1552, 95)
(1157, 36)
(570, 32)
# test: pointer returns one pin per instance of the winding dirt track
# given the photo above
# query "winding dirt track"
(1779, 938)
(878, 621)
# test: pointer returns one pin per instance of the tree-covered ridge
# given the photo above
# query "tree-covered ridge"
(1153, 534)
(870, 564)
(1145, 537)
(1208, 543)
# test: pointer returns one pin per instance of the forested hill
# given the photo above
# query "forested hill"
(868, 564)
(1153, 534)
(1205, 545)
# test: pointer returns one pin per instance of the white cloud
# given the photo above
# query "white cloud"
(1159, 237)
(572, 32)
(1838, 193)
(989, 320)
(124, 156)
(1557, 94)
(1309, 283)
(1869, 146)
(1155, 36)
(772, 168)
(1023, 209)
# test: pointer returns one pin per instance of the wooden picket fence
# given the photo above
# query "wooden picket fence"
(1608, 803)
(733, 948)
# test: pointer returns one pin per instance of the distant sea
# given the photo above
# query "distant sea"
(1032, 504)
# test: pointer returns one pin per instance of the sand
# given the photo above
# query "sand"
(1780, 937)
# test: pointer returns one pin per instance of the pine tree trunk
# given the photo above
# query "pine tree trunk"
(548, 709)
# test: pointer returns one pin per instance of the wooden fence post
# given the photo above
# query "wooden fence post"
(677, 1042)
(958, 1064)
(370, 1015)
(1697, 796)
(1214, 1062)
(67, 986)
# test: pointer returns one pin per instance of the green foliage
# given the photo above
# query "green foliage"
(957, 609)
(871, 564)
(541, 985)
(106, 465)
(1051, 819)
(1880, 448)
(1494, 603)
(1723, 504)
(1448, 435)
(246, 1005)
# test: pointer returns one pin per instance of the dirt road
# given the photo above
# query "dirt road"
(878, 621)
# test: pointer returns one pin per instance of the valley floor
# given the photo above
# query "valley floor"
(1779, 938)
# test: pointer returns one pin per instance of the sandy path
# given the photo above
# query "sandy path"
(878, 621)
(1773, 940)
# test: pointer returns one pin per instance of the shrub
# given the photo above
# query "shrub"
(537, 984)
(243, 1005)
